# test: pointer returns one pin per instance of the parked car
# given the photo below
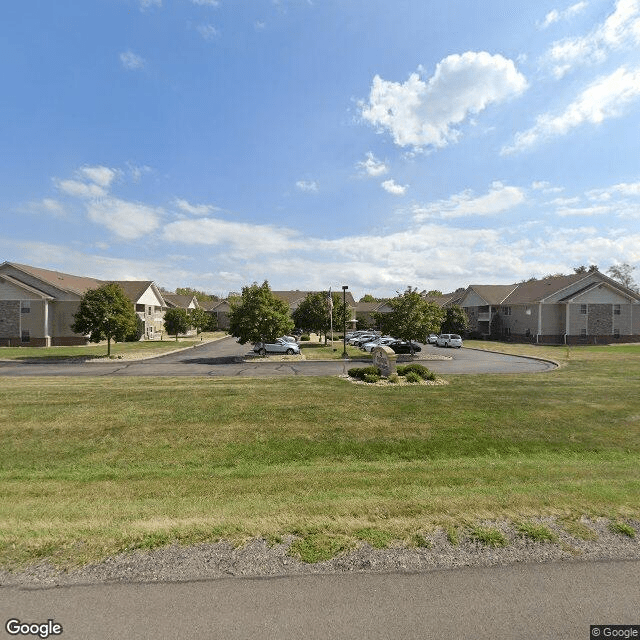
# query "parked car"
(365, 337)
(279, 346)
(401, 346)
(433, 338)
(287, 338)
(449, 340)
(370, 346)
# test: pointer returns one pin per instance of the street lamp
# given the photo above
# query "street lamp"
(344, 321)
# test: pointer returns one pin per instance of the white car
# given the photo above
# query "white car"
(370, 346)
(279, 346)
(449, 340)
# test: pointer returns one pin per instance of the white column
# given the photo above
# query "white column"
(47, 336)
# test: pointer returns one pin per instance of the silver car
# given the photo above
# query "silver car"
(279, 346)
(449, 340)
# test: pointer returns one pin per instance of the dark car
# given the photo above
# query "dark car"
(401, 346)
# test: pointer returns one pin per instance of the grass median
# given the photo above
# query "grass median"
(93, 467)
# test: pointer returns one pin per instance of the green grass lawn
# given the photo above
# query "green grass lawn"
(100, 350)
(91, 467)
(318, 351)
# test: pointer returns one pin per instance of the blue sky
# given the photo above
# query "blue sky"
(316, 143)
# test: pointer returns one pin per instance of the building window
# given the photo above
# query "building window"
(26, 337)
(583, 309)
(616, 333)
(616, 309)
(507, 331)
(583, 332)
(25, 306)
(507, 311)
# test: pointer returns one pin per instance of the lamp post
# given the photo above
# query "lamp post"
(344, 321)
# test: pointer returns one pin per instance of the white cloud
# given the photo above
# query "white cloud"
(555, 16)
(128, 220)
(79, 189)
(194, 209)
(207, 3)
(500, 198)
(250, 239)
(620, 29)
(102, 176)
(308, 186)
(607, 97)
(391, 186)
(132, 61)
(208, 31)
(545, 187)
(419, 113)
(372, 166)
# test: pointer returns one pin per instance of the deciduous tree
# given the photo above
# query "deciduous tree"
(176, 321)
(412, 317)
(105, 313)
(258, 315)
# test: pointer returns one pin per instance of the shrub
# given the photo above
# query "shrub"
(419, 369)
(361, 372)
(412, 377)
(305, 337)
(370, 377)
(393, 378)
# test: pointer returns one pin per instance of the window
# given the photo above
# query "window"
(25, 306)
(507, 331)
(616, 309)
(507, 311)
(583, 332)
(583, 309)
(26, 337)
(616, 333)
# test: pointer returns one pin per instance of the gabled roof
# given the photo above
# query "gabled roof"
(62, 281)
(79, 285)
(493, 294)
(177, 300)
(133, 289)
(537, 290)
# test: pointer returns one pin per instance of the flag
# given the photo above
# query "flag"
(330, 301)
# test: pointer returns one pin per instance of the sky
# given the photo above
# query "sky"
(376, 144)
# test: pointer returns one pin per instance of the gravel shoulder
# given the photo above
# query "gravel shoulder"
(257, 558)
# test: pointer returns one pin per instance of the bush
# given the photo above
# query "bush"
(393, 378)
(370, 377)
(412, 376)
(305, 337)
(361, 372)
(417, 369)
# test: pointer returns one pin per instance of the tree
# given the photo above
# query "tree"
(412, 317)
(583, 269)
(258, 316)
(434, 293)
(367, 297)
(176, 321)
(312, 313)
(455, 320)
(622, 273)
(105, 312)
(202, 321)
(201, 295)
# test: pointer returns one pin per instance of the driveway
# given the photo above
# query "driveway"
(226, 358)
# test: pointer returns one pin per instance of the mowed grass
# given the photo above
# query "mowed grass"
(92, 467)
(141, 349)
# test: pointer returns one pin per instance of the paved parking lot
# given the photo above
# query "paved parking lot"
(226, 358)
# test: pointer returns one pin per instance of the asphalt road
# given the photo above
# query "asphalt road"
(530, 601)
(225, 358)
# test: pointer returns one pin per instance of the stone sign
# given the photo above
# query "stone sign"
(385, 358)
